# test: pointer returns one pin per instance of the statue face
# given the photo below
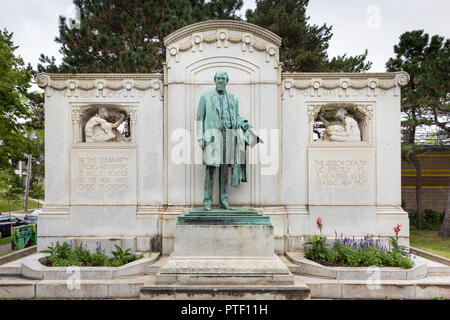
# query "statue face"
(340, 114)
(221, 80)
(102, 112)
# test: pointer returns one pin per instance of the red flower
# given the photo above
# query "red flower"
(319, 223)
(397, 228)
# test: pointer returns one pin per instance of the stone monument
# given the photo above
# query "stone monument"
(223, 246)
(124, 166)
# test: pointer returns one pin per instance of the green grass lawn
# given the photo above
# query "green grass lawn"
(5, 253)
(5, 240)
(17, 205)
(430, 241)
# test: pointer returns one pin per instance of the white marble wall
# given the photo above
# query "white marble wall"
(367, 200)
(83, 199)
(164, 174)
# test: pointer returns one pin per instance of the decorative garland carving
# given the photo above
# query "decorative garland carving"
(259, 45)
(62, 82)
(187, 45)
(331, 84)
(398, 79)
(235, 37)
(301, 84)
(210, 37)
(223, 35)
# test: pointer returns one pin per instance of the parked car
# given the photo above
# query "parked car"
(32, 217)
(6, 223)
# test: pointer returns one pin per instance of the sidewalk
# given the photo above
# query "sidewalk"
(5, 248)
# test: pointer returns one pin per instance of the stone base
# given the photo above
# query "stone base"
(224, 247)
(224, 270)
(295, 292)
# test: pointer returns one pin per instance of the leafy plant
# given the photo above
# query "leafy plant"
(431, 220)
(350, 252)
(315, 248)
(123, 256)
(62, 255)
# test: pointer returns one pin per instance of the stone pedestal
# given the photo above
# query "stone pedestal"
(224, 247)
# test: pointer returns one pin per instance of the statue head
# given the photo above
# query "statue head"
(221, 80)
(102, 112)
(340, 113)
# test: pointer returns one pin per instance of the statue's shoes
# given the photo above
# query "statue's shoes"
(208, 208)
(226, 206)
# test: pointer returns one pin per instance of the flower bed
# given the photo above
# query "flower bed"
(63, 255)
(346, 252)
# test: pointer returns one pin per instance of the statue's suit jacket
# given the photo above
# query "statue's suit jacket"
(209, 124)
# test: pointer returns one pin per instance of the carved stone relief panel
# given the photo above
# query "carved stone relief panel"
(341, 122)
(104, 123)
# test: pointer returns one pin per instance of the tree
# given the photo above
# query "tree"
(304, 46)
(9, 186)
(35, 133)
(127, 35)
(445, 228)
(14, 82)
(37, 191)
(409, 152)
(425, 98)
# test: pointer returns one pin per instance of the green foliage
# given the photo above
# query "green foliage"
(5, 240)
(304, 46)
(430, 241)
(431, 220)
(37, 190)
(14, 82)
(123, 256)
(126, 36)
(315, 247)
(10, 188)
(16, 205)
(365, 254)
(425, 99)
(62, 255)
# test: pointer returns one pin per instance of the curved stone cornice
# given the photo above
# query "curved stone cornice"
(89, 81)
(100, 81)
(213, 25)
(344, 80)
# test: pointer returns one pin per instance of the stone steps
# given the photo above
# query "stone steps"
(297, 291)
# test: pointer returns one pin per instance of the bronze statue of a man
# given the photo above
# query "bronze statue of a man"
(218, 133)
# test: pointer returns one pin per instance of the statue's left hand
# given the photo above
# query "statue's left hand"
(245, 126)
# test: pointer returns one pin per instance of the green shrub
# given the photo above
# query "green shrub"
(64, 256)
(357, 254)
(431, 220)
(316, 247)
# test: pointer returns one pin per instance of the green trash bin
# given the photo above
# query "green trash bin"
(23, 236)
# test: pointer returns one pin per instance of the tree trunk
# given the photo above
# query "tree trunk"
(445, 228)
(419, 209)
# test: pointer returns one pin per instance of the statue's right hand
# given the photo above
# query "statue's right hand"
(202, 143)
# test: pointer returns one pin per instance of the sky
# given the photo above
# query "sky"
(357, 24)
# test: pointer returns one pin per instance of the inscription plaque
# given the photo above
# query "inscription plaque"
(103, 176)
(341, 176)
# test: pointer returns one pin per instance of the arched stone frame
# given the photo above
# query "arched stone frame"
(364, 115)
(212, 65)
(80, 113)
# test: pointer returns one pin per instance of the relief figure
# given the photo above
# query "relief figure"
(345, 128)
(99, 129)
